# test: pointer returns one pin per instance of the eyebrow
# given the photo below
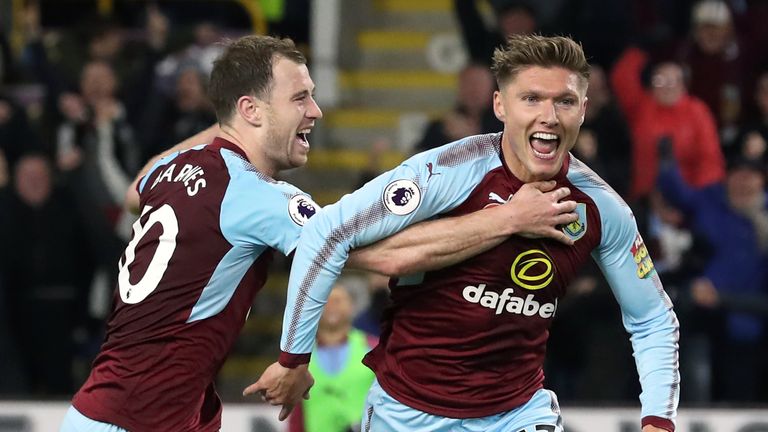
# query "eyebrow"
(300, 93)
(541, 93)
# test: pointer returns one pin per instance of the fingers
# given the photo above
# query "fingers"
(564, 217)
(561, 237)
(258, 386)
(285, 411)
(560, 193)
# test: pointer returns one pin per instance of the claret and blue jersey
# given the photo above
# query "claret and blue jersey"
(469, 340)
(199, 254)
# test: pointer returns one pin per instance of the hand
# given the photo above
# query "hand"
(280, 385)
(6, 112)
(105, 110)
(157, 27)
(30, 20)
(69, 159)
(664, 148)
(457, 125)
(72, 107)
(704, 293)
(535, 211)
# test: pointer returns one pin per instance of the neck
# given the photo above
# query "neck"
(255, 157)
(333, 336)
(513, 164)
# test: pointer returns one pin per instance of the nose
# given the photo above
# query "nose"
(314, 111)
(548, 114)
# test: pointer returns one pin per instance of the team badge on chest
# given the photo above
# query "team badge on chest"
(576, 230)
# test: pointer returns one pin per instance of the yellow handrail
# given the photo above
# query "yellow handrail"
(258, 22)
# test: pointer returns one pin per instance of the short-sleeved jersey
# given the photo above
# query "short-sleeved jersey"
(470, 340)
(199, 254)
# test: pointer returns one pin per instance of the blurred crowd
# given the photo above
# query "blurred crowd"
(677, 124)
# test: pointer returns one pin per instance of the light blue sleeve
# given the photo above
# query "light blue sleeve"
(646, 309)
(425, 185)
(259, 211)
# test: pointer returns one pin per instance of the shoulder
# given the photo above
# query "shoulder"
(696, 104)
(469, 149)
(614, 212)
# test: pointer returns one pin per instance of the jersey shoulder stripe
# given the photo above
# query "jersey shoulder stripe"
(164, 161)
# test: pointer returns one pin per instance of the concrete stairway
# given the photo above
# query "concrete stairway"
(398, 63)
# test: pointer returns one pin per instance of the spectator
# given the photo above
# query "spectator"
(16, 134)
(46, 269)
(13, 382)
(512, 17)
(665, 110)
(721, 65)
(98, 155)
(732, 290)
(604, 141)
(472, 114)
(58, 61)
(171, 119)
(754, 136)
(341, 379)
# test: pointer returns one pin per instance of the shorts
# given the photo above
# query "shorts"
(385, 414)
(75, 421)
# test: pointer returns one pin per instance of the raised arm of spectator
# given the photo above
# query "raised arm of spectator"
(670, 181)
(627, 83)
(477, 39)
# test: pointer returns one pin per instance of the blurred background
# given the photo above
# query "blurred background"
(677, 124)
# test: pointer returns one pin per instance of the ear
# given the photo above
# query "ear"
(498, 106)
(583, 110)
(250, 109)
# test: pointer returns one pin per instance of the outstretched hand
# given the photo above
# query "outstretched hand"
(538, 211)
(279, 385)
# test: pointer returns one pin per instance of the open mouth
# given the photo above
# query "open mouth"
(303, 137)
(544, 145)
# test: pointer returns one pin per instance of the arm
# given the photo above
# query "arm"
(674, 189)
(626, 82)
(535, 210)
(132, 194)
(478, 40)
(646, 311)
(358, 219)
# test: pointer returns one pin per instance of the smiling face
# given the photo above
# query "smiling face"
(542, 109)
(290, 114)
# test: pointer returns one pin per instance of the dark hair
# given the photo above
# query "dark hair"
(245, 68)
(522, 51)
